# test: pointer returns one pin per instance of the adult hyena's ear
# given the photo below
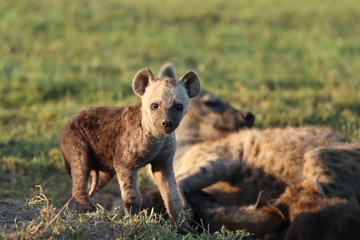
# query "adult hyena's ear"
(167, 70)
(142, 80)
(192, 83)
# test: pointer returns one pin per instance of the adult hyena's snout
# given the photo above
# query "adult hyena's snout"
(248, 118)
(235, 119)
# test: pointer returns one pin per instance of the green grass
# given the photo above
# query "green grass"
(289, 62)
(64, 223)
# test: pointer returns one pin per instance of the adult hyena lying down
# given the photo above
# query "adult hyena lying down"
(268, 218)
(338, 183)
(254, 160)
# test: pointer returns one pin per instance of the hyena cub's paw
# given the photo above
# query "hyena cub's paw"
(185, 228)
(86, 207)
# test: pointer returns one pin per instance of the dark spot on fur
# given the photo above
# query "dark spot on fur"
(340, 170)
(257, 150)
(326, 190)
(354, 169)
(254, 182)
(248, 172)
(341, 178)
(260, 175)
(327, 173)
(332, 154)
(333, 186)
(345, 195)
(272, 161)
(335, 160)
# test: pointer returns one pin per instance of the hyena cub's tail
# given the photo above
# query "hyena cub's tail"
(94, 174)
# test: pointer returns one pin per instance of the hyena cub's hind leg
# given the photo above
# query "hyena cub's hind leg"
(79, 171)
(334, 171)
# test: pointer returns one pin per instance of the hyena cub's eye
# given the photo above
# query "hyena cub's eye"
(179, 107)
(154, 106)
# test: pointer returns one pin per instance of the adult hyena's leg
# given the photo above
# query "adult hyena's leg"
(193, 178)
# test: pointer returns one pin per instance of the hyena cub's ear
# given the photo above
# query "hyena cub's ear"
(142, 80)
(192, 83)
(167, 70)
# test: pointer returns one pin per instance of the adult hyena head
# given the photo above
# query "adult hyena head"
(165, 100)
(210, 117)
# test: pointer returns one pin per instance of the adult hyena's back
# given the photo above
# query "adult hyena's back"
(238, 166)
(335, 171)
(280, 151)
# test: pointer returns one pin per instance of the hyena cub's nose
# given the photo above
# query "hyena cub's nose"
(167, 123)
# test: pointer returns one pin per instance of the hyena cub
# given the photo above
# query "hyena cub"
(103, 141)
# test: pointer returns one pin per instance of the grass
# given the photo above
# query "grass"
(289, 62)
(53, 223)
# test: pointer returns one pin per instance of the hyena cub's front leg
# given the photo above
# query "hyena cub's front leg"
(130, 193)
(165, 180)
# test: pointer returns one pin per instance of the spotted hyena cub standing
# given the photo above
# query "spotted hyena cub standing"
(103, 141)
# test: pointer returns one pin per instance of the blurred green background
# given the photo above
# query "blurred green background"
(289, 62)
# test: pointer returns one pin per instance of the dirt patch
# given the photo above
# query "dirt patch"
(13, 211)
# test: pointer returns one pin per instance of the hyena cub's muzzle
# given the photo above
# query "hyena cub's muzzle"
(167, 120)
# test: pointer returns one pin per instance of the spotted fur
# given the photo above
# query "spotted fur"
(235, 168)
